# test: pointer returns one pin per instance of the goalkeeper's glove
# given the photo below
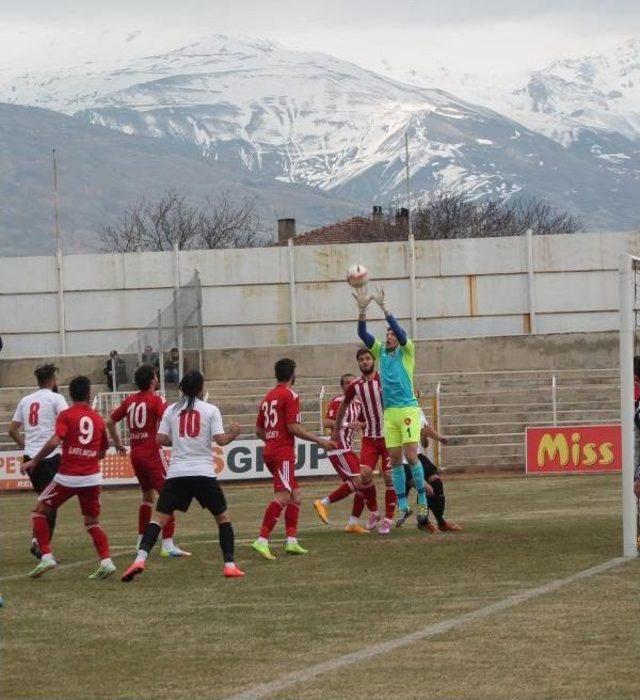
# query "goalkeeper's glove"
(362, 300)
(380, 300)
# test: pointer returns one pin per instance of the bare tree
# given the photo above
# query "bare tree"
(160, 224)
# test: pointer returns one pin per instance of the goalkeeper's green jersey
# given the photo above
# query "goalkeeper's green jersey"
(396, 373)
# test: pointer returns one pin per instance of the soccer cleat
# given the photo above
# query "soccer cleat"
(422, 516)
(175, 551)
(373, 521)
(321, 510)
(448, 526)
(136, 568)
(35, 549)
(42, 568)
(385, 526)
(403, 517)
(103, 571)
(263, 550)
(356, 529)
(233, 572)
(294, 548)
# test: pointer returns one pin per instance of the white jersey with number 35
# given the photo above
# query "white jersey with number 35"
(38, 413)
(191, 434)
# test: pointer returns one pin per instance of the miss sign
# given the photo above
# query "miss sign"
(586, 449)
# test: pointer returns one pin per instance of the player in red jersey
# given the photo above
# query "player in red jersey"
(83, 435)
(278, 424)
(142, 412)
(368, 391)
(347, 463)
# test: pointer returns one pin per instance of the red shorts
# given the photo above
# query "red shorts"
(150, 468)
(346, 464)
(283, 472)
(373, 449)
(55, 494)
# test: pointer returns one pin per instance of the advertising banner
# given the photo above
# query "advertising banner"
(581, 449)
(241, 460)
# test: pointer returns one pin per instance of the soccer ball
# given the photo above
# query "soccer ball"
(358, 276)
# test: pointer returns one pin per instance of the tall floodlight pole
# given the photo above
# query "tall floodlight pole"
(59, 262)
(412, 248)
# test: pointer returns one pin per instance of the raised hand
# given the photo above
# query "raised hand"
(380, 299)
(362, 299)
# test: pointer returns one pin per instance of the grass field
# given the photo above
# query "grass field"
(182, 631)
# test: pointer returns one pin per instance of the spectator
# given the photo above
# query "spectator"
(172, 367)
(121, 370)
(149, 357)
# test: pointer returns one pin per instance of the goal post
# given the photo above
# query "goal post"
(629, 268)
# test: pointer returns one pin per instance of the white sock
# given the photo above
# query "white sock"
(292, 540)
(229, 565)
(263, 540)
(375, 514)
(106, 562)
(325, 501)
(353, 520)
(47, 557)
(168, 543)
(138, 541)
(142, 555)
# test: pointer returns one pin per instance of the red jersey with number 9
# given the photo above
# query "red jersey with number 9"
(84, 437)
(278, 408)
(143, 411)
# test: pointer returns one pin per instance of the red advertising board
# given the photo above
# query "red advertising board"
(574, 449)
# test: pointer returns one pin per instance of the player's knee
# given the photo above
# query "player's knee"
(222, 518)
(90, 521)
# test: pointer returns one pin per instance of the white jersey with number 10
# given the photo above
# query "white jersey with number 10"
(191, 433)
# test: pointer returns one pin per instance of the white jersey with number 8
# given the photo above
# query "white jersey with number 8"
(38, 412)
(191, 433)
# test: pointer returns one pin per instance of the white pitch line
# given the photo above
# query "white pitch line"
(266, 689)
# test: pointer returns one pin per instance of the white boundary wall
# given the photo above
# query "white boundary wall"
(464, 288)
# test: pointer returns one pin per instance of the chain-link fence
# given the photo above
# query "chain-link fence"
(173, 341)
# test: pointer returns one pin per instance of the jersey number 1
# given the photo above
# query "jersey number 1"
(190, 424)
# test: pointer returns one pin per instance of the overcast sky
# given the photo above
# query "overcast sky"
(466, 35)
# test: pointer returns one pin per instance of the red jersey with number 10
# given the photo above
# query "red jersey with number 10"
(278, 408)
(143, 411)
(84, 437)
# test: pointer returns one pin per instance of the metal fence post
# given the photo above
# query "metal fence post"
(554, 400)
(292, 293)
(531, 283)
(437, 446)
(160, 353)
(320, 400)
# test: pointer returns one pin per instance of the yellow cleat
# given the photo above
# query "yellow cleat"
(322, 511)
(263, 550)
(357, 529)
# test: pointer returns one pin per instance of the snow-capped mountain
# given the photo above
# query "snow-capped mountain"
(311, 118)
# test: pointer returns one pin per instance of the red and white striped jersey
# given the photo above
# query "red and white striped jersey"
(353, 413)
(369, 394)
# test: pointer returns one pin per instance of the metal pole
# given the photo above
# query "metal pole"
(627, 333)
(531, 281)
(114, 377)
(177, 314)
(292, 293)
(412, 249)
(59, 260)
(199, 322)
(320, 400)
(438, 421)
(554, 400)
(160, 353)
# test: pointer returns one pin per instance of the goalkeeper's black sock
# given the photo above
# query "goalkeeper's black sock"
(437, 502)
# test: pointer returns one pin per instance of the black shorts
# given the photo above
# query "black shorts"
(428, 467)
(43, 474)
(178, 492)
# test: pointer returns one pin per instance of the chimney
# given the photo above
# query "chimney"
(286, 230)
(402, 217)
(377, 214)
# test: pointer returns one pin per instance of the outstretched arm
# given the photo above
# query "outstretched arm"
(363, 300)
(379, 298)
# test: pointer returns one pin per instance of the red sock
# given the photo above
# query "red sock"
(100, 540)
(169, 529)
(40, 526)
(358, 504)
(144, 515)
(370, 497)
(291, 515)
(390, 500)
(271, 515)
(345, 489)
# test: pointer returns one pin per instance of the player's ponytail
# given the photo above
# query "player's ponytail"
(190, 387)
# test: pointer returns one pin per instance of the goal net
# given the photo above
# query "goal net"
(629, 351)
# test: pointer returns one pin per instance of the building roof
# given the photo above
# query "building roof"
(358, 229)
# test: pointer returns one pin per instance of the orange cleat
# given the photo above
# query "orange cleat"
(233, 572)
(322, 511)
(448, 526)
(136, 568)
(357, 529)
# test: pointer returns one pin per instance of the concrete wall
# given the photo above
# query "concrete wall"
(554, 351)
(464, 288)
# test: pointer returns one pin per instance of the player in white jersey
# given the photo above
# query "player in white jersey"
(190, 427)
(36, 415)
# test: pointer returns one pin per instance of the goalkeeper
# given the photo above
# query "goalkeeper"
(396, 359)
